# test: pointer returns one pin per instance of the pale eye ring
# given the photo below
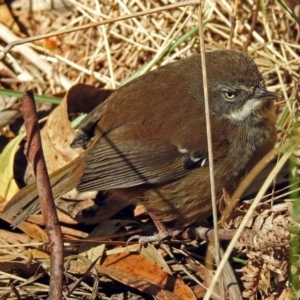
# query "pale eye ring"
(230, 95)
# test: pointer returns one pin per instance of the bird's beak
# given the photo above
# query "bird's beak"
(264, 94)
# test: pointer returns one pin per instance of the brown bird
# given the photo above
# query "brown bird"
(148, 139)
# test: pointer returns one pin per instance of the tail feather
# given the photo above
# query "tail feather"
(62, 181)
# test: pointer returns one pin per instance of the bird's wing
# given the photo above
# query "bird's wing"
(120, 160)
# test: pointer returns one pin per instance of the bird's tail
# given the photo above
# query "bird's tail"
(62, 181)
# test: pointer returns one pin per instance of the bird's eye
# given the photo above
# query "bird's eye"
(230, 95)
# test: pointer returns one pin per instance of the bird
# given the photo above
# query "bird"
(147, 141)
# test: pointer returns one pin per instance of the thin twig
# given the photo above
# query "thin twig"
(96, 24)
(232, 27)
(253, 24)
(33, 151)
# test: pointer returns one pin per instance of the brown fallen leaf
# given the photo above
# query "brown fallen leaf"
(58, 133)
(148, 277)
(157, 285)
(34, 231)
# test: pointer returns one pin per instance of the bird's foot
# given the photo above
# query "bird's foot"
(161, 235)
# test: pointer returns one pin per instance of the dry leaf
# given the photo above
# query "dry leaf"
(148, 277)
